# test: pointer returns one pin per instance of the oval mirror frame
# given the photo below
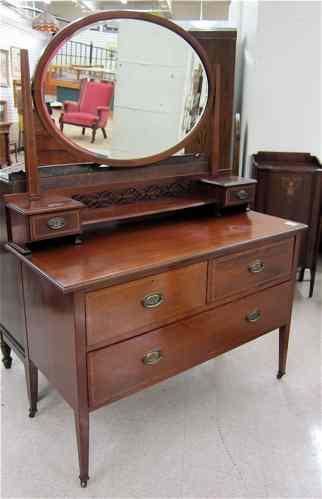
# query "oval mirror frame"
(65, 34)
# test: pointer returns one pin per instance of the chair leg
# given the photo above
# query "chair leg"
(301, 275)
(104, 133)
(83, 131)
(61, 126)
(6, 351)
(93, 135)
(312, 280)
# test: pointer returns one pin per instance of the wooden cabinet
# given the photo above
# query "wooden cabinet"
(12, 320)
(4, 144)
(117, 321)
(220, 46)
(289, 186)
(137, 303)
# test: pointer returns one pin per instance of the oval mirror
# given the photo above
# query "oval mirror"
(127, 88)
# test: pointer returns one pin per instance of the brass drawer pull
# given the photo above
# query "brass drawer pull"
(256, 267)
(152, 358)
(153, 300)
(242, 195)
(56, 223)
(254, 315)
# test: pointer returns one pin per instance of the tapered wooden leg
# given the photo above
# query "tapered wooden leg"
(312, 280)
(284, 334)
(83, 131)
(61, 126)
(6, 351)
(82, 432)
(301, 275)
(93, 134)
(32, 386)
(104, 133)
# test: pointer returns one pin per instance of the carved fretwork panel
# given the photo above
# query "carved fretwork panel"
(103, 199)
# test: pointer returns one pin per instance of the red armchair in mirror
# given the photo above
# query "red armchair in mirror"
(91, 111)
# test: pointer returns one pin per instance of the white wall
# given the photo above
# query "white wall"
(281, 77)
(244, 15)
(16, 31)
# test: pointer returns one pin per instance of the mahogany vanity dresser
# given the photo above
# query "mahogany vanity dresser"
(142, 261)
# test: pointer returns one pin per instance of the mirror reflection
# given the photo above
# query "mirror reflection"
(126, 89)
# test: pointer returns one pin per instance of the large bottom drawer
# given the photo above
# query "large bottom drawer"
(126, 367)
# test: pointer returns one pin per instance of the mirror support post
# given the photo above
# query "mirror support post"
(31, 161)
(215, 154)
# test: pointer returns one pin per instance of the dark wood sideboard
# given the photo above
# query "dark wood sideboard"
(195, 276)
(12, 320)
(289, 186)
(190, 289)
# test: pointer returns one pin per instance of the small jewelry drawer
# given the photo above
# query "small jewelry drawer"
(120, 311)
(51, 225)
(128, 366)
(249, 270)
(240, 195)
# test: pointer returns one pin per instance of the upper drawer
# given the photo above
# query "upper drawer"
(241, 194)
(54, 224)
(249, 270)
(119, 311)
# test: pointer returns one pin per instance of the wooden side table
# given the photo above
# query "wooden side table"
(4, 144)
(289, 186)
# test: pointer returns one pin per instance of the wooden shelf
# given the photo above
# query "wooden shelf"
(91, 216)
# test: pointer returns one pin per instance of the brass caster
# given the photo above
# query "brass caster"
(83, 483)
(7, 362)
(280, 374)
(78, 240)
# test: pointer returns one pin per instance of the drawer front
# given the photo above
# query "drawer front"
(240, 195)
(249, 270)
(117, 312)
(54, 224)
(126, 367)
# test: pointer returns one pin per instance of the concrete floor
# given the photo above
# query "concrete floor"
(225, 429)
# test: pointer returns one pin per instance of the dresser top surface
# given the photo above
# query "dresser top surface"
(131, 251)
